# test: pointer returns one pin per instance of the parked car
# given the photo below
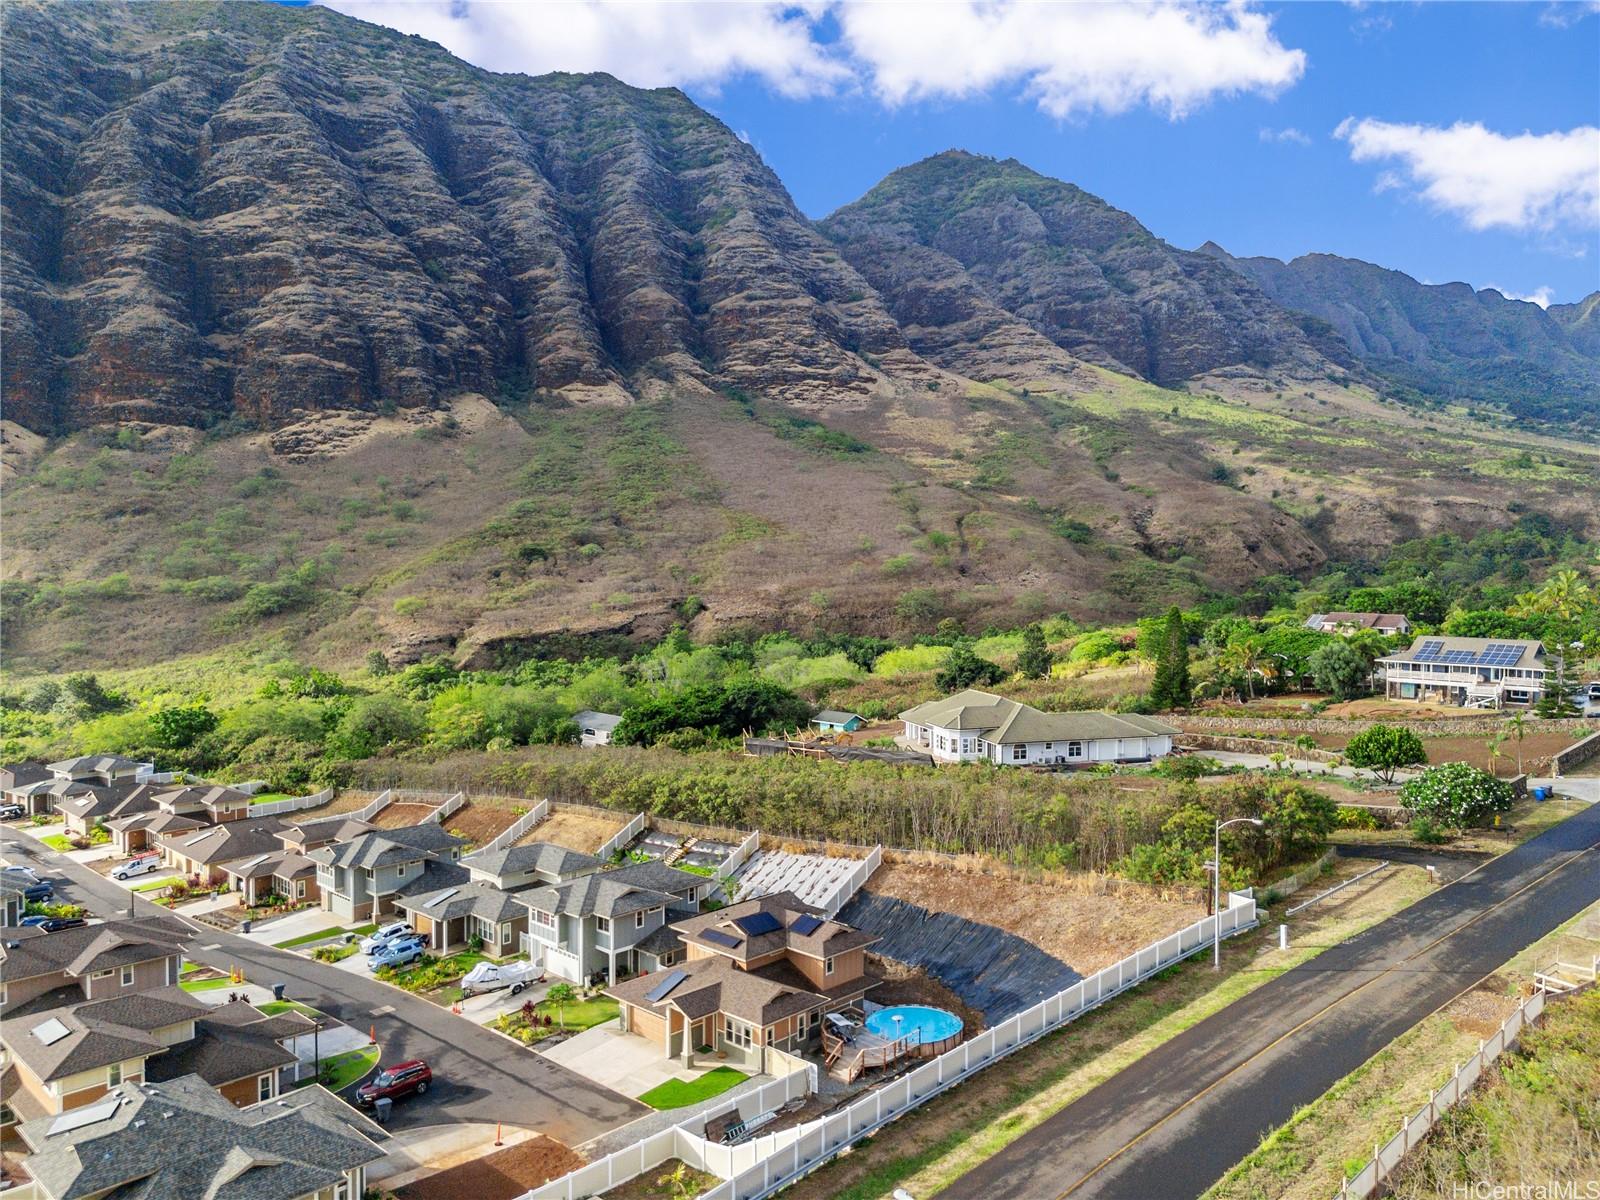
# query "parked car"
(391, 1083)
(397, 953)
(386, 934)
(492, 977)
(54, 924)
(38, 893)
(10, 812)
(19, 875)
(139, 864)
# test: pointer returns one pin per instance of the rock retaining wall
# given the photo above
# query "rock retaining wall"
(1575, 756)
(1241, 745)
(1434, 727)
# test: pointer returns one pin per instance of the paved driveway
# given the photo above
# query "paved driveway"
(624, 1062)
(479, 1076)
(1172, 1123)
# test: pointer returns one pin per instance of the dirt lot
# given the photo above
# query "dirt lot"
(575, 829)
(1536, 750)
(1089, 921)
(503, 1175)
(663, 1183)
(479, 823)
(347, 800)
(397, 815)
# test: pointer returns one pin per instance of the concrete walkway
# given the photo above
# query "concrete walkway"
(284, 929)
(624, 1062)
(666, 1118)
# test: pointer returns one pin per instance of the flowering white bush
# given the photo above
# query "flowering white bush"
(1456, 794)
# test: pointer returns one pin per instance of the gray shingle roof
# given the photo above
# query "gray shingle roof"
(92, 762)
(226, 842)
(97, 1033)
(1007, 722)
(383, 847)
(545, 857)
(614, 893)
(231, 1042)
(824, 941)
(281, 1150)
(452, 900)
(27, 954)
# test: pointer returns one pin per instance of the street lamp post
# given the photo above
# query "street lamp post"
(1216, 886)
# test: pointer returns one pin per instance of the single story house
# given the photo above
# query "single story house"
(1467, 672)
(181, 1138)
(832, 721)
(18, 775)
(977, 726)
(595, 728)
(281, 873)
(759, 973)
(141, 831)
(1347, 623)
(602, 923)
(237, 1049)
(203, 854)
(450, 916)
(98, 805)
(45, 795)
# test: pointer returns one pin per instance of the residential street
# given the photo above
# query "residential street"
(479, 1076)
(1170, 1125)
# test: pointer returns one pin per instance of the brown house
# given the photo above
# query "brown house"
(204, 852)
(92, 962)
(141, 831)
(759, 973)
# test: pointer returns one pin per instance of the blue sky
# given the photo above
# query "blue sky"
(1456, 142)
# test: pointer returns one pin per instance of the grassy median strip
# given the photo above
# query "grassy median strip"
(932, 1146)
(339, 1071)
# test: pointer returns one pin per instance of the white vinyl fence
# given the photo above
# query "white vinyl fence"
(1386, 1158)
(293, 804)
(619, 840)
(764, 1165)
(512, 835)
(852, 883)
(740, 856)
(451, 806)
(378, 803)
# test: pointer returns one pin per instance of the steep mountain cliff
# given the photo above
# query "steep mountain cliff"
(248, 209)
(975, 256)
(1445, 340)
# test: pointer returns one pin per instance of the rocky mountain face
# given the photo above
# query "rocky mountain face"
(242, 208)
(1445, 340)
(979, 259)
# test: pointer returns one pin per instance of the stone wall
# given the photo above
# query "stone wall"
(1436, 727)
(1576, 755)
(1245, 745)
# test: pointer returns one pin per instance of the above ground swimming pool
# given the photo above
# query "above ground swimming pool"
(931, 1030)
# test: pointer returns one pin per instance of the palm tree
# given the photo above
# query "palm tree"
(1495, 754)
(1518, 728)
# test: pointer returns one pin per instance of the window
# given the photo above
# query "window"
(1049, 745)
(106, 974)
(264, 1088)
(827, 967)
(505, 935)
(603, 924)
(127, 976)
(299, 889)
(1019, 753)
(738, 1032)
(548, 920)
(113, 1074)
(966, 745)
(1074, 749)
(638, 919)
(400, 871)
(341, 1191)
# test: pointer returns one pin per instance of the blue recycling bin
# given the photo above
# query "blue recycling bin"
(1541, 794)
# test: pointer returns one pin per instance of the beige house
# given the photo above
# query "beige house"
(1467, 672)
(977, 726)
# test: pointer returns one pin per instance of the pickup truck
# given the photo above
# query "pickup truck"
(492, 977)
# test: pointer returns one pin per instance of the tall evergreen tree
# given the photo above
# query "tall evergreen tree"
(1036, 659)
(1171, 687)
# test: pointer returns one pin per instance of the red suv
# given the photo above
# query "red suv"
(391, 1083)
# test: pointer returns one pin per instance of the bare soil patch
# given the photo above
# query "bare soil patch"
(397, 816)
(1536, 750)
(479, 823)
(1086, 921)
(662, 1183)
(1484, 1009)
(503, 1175)
(575, 830)
(345, 801)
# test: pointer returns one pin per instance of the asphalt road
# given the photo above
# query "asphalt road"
(478, 1075)
(1173, 1123)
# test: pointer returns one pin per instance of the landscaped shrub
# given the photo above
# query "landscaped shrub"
(1356, 818)
(1457, 795)
(1384, 749)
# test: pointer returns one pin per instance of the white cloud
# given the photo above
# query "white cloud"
(1289, 134)
(1542, 296)
(1563, 14)
(1524, 181)
(1067, 57)
(698, 43)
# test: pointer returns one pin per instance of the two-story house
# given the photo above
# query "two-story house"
(607, 922)
(362, 879)
(102, 768)
(1467, 672)
(90, 962)
(759, 973)
(977, 726)
(1346, 623)
(210, 803)
(181, 1139)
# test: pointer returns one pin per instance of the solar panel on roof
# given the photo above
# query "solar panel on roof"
(1429, 651)
(717, 938)
(80, 1117)
(50, 1032)
(758, 923)
(807, 925)
(660, 991)
(441, 897)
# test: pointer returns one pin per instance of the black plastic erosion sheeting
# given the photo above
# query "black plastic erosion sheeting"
(996, 972)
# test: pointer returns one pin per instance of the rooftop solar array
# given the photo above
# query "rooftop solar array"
(1495, 654)
(81, 1117)
(806, 925)
(661, 989)
(50, 1032)
(717, 938)
(758, 923)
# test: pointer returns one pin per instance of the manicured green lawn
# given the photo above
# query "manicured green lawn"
(57, 841)
(581, 1014)
(675, 1093)
(269, 797)
(155, 885)
(348, 1067)
(323, 935)
(273, 1007)
(207, 985)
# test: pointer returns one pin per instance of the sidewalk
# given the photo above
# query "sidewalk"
(414, 1153)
